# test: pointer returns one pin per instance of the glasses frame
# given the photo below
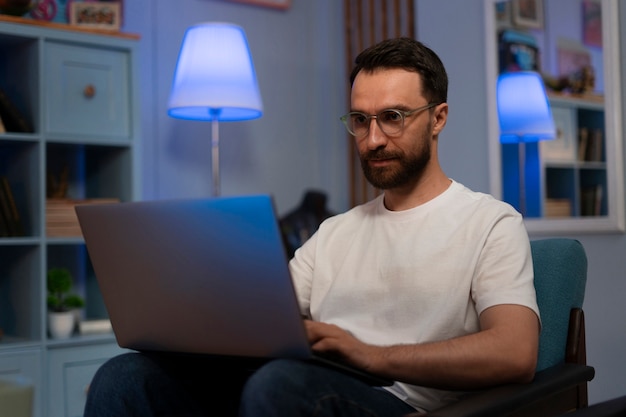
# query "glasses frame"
(368, 117)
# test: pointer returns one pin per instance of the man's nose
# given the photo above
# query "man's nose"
(375, 137)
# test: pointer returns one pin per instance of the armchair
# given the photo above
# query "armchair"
(560, 383)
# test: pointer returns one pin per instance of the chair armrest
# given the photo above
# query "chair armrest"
(500, 400)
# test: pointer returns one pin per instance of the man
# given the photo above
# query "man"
(429, 285)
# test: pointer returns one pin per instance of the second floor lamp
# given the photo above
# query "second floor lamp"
(525, 117)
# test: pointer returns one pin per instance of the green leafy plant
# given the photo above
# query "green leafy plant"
(59, 284)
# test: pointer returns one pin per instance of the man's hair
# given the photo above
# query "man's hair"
(410, 55)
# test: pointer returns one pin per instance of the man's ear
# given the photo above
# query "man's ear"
(440, 117)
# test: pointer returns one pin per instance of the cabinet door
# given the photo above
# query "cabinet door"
(23, 366)
(70, 371)
(90, 82)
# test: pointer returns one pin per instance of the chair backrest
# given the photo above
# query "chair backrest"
(560, 267)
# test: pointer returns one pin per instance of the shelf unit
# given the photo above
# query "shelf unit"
(78, 92)
(574, 165)
(565, 195)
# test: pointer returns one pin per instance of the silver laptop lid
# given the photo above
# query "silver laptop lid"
(196, 276)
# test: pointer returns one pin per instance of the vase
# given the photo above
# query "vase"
(61, 324)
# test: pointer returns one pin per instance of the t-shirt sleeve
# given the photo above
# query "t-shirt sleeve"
(505, 271)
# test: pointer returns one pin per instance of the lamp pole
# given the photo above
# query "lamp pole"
(215, 151)
(522, 177)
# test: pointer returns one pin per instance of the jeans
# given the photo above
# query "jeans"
(138, 384)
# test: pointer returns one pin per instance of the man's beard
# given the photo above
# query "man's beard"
(410, 169)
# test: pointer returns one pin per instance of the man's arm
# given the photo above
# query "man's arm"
(503, 351)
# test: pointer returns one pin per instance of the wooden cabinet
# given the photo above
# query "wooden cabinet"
(78, 133)
(92, 82)
(23, 366)
(70, 371)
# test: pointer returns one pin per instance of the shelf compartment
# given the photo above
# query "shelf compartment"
(20, 296)
(19, 164)
(19, 79)
(75, 258)
(91, 171)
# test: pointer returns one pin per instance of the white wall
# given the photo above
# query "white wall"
(299, 142)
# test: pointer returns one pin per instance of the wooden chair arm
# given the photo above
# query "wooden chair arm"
(507, 399)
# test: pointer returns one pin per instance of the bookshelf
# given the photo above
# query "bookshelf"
(70, 136)
(574, 164)
(573, 186)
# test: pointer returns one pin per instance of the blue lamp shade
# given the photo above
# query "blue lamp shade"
(523, 108)
(215, 77)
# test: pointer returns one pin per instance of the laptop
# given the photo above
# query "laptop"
(201, 276)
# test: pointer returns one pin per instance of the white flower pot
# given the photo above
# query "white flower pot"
(61, 324)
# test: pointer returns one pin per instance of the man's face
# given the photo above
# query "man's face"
(393, 161)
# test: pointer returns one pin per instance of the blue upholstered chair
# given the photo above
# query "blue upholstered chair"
(560, 383)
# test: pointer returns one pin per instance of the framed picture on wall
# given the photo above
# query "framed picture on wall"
(96, 15)
(527, 13)
(276, 4)
(503, 14)
(563, 146)
(592, 23)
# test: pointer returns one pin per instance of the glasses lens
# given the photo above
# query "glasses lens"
(390, 121)
(357, 123)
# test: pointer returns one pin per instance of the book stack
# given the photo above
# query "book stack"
(10, 220)
(86, 327)
(558, 207)
(61, 220)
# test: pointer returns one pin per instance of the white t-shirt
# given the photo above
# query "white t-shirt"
(416, 276)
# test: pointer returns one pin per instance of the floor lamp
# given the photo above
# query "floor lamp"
(215, 81)
(524, 115)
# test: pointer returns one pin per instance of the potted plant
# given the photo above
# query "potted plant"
(62, 305)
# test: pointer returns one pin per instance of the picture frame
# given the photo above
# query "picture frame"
(563, 147)
(503, 14)
(275, 4)
(527, 13)
(572, 56)
(592, 23)
(96, 15)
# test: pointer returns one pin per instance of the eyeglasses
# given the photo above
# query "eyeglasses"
(390, 121)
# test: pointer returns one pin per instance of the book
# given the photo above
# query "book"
(583, 143)
(9, 209)
(12, 118)
(591, 200)
(590, 145)
(595, 146)
(4, 222)
(5, 214)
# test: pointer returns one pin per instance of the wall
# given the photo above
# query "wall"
(300, 143)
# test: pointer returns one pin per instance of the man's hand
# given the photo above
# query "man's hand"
(333, 341)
